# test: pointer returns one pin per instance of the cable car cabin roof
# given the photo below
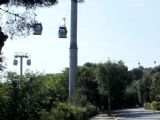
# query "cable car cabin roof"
(62, 27)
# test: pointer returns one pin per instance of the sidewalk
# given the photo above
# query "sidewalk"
(102, 117)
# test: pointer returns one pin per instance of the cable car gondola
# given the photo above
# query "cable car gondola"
(62, 33)
(15, 62)
(29, 62)
(37, 29)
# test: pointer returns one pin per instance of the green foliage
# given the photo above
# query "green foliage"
(87, 85)
(137, 73)
(145, 83)
(155, 87)
(30, 3)
(39, 97)
(147, 105)
(65, 111)
(44, 97)
(149, 83)
(117, 75)
(133, 88)
(29, 98)
(155, 105)
(5, 100)
(132, 92)
(91, 110)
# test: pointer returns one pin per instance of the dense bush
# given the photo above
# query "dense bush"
(39, 98)
(91, 110)
(65, 111)
(147, 105)
(155, 105)
(45, 97)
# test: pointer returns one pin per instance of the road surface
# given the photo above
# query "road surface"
(130, 114)
(136, 114)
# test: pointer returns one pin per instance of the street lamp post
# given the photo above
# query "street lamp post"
(21, 56)
(108, 87)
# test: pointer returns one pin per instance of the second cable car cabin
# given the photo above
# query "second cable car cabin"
(62, 32)
(29, 62)
(37, 29)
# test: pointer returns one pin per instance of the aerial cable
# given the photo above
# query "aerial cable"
(37, 27)
(16, 15)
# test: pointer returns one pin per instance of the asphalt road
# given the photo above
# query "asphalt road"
(136, 114)
(130, 114)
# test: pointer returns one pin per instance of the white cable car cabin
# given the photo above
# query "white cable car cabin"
(37, 29)
(62, 32)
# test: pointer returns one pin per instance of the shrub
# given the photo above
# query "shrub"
(155, 105)
(147, 105)
(158, 106)
(91, 110)
(65, 111)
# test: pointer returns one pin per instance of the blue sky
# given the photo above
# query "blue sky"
(125, 30)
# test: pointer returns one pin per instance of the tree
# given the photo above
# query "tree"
(145, 83)
(15, 23)
(133, 90)
(155, 87)
(5, 100)
(30, 3)
(137, 73)
(30, 98)
(132, 94)
(87, 84)
(118, 76)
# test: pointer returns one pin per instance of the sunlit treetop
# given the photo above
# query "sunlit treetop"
(30, 3)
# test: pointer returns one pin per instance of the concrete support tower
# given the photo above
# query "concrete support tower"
(73, 51)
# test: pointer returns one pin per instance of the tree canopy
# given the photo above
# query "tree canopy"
(30, 3)
(20, 22)
(45, 96)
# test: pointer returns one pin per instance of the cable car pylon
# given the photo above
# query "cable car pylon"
(73, 52)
